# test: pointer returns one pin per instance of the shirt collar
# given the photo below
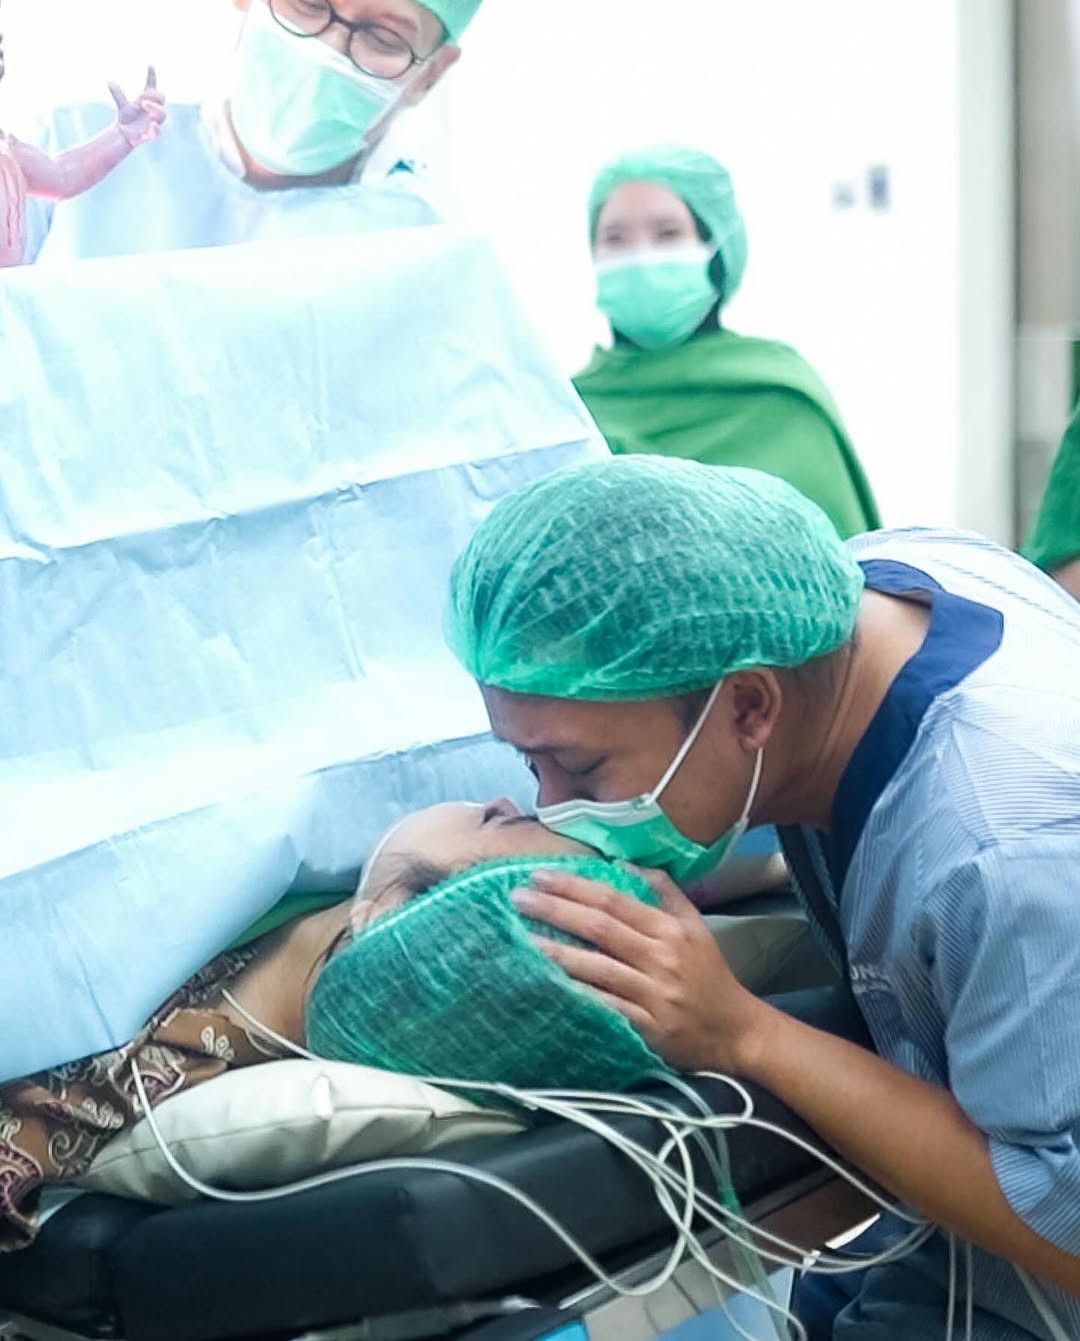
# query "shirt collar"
(962, 635)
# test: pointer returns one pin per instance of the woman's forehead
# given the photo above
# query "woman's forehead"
(644, 200)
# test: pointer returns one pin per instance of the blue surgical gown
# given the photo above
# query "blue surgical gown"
(952, 869)
(178, 192)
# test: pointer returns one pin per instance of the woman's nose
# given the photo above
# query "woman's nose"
(506, 808)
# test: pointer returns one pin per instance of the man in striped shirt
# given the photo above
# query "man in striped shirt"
(909, 707)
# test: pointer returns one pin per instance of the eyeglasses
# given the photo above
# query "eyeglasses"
(373, 48)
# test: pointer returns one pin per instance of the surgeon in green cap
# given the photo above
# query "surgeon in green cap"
(1054, 543)
(315, 86)
(680, 651)
(670, 249)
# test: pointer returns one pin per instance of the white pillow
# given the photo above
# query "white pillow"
(266, 1125)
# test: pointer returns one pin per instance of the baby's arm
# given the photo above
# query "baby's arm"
(77, 170)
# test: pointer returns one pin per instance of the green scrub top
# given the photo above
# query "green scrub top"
(1055, 539)
(732, 400)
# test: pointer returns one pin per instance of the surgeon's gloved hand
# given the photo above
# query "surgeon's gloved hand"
(141, 120)
(660, 967)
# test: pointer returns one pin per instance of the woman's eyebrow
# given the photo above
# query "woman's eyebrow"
(335, 945)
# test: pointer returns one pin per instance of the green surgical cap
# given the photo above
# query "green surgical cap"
(643, 577)
(456, 15)
(698, 180)
(451, 986)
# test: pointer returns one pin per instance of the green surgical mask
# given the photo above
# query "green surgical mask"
(299, 107)
(639, 831)
(657, 297)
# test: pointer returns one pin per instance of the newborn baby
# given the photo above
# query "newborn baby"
(27, 171)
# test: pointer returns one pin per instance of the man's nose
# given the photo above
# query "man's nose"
(337, 36)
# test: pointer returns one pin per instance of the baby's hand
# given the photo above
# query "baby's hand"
(140, 120)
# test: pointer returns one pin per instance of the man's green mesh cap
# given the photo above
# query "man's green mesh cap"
(455, 15)
(643, 577)
(451, 986)
(699, 181)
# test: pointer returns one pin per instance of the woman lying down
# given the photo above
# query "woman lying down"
(429, 970)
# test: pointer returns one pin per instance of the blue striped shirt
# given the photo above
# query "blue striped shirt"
(953, 864)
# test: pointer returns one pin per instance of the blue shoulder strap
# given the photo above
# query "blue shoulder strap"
(813, 884)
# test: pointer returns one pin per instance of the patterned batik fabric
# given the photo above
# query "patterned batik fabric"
(54, 1124)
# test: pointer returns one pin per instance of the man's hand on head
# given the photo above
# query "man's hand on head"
(660, 967)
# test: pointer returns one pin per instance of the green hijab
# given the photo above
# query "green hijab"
(1055, 539)
(732, 400)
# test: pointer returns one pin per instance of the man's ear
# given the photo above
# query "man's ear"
(756, 700)
(444, 59)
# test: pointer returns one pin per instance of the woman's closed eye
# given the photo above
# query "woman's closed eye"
(496, 814)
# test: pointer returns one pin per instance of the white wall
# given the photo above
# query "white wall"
(907, 313)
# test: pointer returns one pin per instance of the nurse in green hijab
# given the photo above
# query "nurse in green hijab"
(1054, 544)
(670, 249)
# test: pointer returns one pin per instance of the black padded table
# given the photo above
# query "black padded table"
(389, 1243)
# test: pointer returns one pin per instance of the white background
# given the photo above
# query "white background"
(907, 313)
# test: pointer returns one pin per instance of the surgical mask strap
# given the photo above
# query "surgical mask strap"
(686, 747)
(755, 783)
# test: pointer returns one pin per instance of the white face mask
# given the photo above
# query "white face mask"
(639, 831)
(657, 296)
(299, 107)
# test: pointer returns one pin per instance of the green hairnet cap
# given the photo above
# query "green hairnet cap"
(644, 577)
(700, 182)
(455, 15)
(451, 986)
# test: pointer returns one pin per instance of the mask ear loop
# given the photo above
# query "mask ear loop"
(755, 784)
(685, 748)
(689, 743)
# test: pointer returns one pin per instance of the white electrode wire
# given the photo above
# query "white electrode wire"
(1042, 1306)
(543, 1100)
(403, 1166)
(715, 1156)
(720, 1216)
(969, 1305)
(604, 1102)
(820, 1155)
(578, 1106)
(776, 1312)
(824, 1264)
(656, 1170)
